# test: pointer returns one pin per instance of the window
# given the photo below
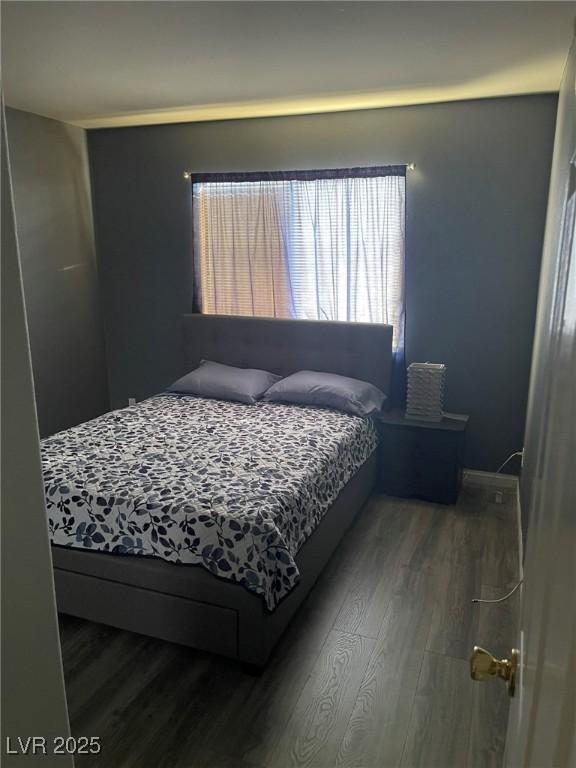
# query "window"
(325, 245)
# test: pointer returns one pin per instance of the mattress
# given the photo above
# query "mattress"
(234, 488)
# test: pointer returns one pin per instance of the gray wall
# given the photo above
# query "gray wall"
(55, 232)
(33, 697)
(476, 207)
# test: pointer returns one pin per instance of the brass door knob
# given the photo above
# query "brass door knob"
(484, 666)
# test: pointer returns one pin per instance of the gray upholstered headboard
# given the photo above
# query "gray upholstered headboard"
(360, 350)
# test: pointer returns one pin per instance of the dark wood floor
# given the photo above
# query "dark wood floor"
(372, 673)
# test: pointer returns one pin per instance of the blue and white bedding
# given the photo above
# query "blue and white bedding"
(234, 488)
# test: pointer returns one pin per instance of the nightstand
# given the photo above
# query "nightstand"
(421, 459)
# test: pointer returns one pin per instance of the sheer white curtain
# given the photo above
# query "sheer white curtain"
(318, 248)
(347, 249)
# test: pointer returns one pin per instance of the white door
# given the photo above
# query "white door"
(32, 690)
(542, 724)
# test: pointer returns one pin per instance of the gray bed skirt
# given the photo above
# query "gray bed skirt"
(187, 604)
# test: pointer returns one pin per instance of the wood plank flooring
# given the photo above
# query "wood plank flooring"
(372, 673)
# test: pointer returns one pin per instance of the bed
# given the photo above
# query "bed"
(220, 555)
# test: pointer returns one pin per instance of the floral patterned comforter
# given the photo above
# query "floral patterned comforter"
(234, 488)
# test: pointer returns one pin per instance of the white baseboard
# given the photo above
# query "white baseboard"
(490, 479)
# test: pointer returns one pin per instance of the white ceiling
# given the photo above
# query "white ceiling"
(99, 64)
